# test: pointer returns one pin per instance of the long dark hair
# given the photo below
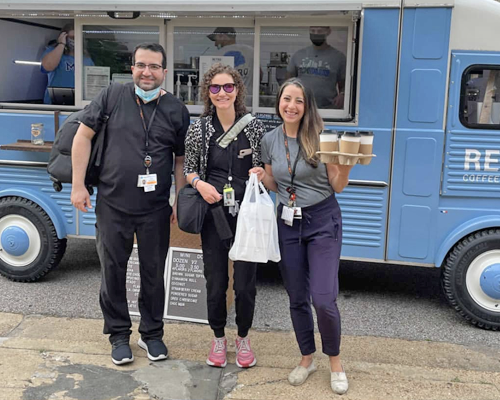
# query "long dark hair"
(239, 103)
(311, 123)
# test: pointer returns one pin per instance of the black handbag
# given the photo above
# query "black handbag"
(191, 206)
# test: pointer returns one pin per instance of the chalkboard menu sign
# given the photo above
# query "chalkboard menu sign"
(186, 292)
(133, 282)
(270, 121)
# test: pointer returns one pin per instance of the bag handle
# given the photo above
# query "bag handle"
(203, 140)
(226, 138)
(252, 189)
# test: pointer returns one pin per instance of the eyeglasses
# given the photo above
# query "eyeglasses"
(152, 67)
(228, 88)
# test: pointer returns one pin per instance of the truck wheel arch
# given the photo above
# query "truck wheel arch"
(38, 199)
(461, 232)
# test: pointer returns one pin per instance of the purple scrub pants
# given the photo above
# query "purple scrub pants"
(310, 253)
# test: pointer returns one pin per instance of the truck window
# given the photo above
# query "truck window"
(480, 97)
(107, 54)
(36, 59)
(318, 55)
(197, 48)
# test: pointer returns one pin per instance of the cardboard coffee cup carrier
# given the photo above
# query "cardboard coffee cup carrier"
(357, 148)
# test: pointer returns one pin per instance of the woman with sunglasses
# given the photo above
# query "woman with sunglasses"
(309, 226)
(222, 168)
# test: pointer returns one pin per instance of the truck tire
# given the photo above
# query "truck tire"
(471, 278)
(29, 246)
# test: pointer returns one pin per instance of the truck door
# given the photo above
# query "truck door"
(419, 135)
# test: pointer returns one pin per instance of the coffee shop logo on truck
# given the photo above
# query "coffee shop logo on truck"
(486, 161)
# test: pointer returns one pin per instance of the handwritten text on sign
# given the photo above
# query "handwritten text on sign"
(186, 291)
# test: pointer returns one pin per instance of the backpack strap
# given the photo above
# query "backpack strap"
(113, 96)
(225, 139)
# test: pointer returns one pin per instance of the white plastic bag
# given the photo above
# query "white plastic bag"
(256, 238)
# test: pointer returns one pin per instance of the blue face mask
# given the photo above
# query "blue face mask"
(147, 95)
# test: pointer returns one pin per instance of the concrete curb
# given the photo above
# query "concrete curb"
(60, 358)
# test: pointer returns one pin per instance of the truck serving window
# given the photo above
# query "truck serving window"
(315, 54)
(197, 48)
(266, 52)
(107, 54)
(480, 97)
(319, 52)
(38, 62)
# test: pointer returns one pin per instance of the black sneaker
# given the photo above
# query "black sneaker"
(155, 347)
(121, 353)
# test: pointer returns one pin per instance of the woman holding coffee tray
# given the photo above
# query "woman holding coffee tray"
(309, 226)
(221, 147)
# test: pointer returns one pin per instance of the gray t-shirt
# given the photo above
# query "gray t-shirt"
(311, 183)
(320, 70)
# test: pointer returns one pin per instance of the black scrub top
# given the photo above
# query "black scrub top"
(218, 161)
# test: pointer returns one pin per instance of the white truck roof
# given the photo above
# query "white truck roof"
(254, 6)
(475, 25)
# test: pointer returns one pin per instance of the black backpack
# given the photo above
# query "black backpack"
(59, 166)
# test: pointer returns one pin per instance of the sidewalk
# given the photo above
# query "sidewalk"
(59, 358)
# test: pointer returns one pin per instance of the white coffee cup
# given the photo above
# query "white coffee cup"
(329, 141)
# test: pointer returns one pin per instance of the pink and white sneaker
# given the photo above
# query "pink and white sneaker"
(244, 354)
(217, 355)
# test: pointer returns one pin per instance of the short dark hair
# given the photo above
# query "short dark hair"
(157, 48)
(68, 27)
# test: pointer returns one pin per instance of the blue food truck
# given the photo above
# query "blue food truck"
(423, 75)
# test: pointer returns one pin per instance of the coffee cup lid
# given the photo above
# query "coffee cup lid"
(366, 133)
(352, 134)
(329, 132)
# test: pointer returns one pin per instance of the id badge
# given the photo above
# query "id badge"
(147, 180)
(229, 197)
(297, 213)
(149, 188)
(287, 215)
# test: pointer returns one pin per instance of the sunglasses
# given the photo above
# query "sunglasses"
(228, 88)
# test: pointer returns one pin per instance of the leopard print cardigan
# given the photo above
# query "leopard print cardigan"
(253, 131)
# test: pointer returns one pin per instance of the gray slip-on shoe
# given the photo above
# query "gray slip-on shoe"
(300, 374)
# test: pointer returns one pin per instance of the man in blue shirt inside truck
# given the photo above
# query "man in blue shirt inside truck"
(58, 61)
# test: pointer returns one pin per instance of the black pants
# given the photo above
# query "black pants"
(115, 239)
(215, 258)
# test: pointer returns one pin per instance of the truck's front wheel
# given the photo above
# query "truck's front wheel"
(471, 278)
(29, 246)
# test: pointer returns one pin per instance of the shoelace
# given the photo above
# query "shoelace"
(243, 345)
(219, 345)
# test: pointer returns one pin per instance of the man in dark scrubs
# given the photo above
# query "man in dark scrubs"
(144, 138)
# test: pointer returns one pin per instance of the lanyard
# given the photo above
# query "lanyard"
(148, 161)
(230, 161)
(291, 189)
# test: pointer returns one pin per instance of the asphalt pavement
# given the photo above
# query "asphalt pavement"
(380, 300)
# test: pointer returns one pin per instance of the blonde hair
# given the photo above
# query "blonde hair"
(239, 103)
(311, 123)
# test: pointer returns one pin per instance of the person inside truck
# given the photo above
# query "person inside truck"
(58, 61)
(224, 39)
(321, 68)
